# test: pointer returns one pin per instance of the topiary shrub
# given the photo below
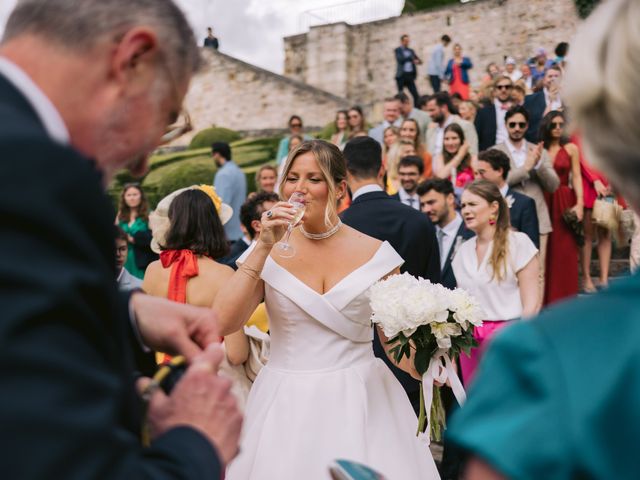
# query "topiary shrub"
(206, 137)
(164, 180)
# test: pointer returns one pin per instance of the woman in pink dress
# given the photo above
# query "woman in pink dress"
(457, 73)
(562, 252)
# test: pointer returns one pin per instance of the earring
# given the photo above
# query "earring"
(492, 220)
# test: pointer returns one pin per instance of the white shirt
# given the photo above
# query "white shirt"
(410, 200)
(519, 155)
(448, 238)
(556, 105)
(504, 189)
(46, 111)
(501, 128)
(437, 147)
(373, 187)
(500, 300)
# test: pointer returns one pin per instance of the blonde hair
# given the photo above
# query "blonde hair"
(332, 166)
(262, 169)
(500, 251)
(601, 84)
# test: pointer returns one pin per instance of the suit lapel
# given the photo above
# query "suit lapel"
(459, 239)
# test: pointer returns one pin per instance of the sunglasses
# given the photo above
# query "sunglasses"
(354, 116)
(294, 125)
(504, 87)
(557, 125)
(517, 124)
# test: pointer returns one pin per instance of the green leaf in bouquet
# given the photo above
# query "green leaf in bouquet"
(422, 359)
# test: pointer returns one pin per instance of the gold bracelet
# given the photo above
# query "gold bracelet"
(252, 272)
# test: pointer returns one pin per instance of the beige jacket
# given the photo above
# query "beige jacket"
(533, 183)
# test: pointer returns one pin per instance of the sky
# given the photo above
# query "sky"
(252, 30)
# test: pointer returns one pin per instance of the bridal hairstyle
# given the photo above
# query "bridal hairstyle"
(80, 26)
(601, 84)
(331, 164)
(195, 225)
(500, 251)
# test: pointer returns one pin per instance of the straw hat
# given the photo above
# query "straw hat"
(159, 219)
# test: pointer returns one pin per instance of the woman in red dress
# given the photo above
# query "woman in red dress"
(563, 251)
(457, 73)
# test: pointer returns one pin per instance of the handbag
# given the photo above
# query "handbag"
(575, 225)
(606, 213)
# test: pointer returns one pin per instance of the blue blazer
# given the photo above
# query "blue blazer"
(447, 277)
(523, 215)
(400, 59)
(464, 66)
(535, 104)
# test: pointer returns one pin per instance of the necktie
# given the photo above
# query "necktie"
(411, 200)
(440, 235)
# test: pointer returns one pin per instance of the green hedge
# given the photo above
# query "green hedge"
(206, 137)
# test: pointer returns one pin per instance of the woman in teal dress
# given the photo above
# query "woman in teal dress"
(133, 219)
(558, 397)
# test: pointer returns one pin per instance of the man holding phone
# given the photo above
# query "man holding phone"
(546, 100)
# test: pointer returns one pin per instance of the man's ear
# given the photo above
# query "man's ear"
(134, 60)
(256, 225)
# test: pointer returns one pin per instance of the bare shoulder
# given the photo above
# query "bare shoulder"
(571, 148)
(152, 277)
(209, 267)
(361, 241)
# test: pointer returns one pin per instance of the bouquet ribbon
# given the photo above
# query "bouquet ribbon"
(440, 370)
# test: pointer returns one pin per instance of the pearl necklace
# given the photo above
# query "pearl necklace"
(321, 236)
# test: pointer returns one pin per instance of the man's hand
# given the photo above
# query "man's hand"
(202, 400)
(174, 328)
(533, 157)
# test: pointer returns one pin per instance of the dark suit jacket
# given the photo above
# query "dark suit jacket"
(535, 105)
(69, 406)
(400, 59)
(237, 249)
(411, 234)
(523, 215)
(486, 127)
(447, 277)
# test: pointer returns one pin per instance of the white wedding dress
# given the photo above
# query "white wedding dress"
(323, 395)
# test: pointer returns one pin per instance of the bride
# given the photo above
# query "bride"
(323, 395)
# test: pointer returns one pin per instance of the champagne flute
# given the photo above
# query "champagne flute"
(283, 247)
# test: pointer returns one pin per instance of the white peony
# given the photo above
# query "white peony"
(443, 333)
(465, 308)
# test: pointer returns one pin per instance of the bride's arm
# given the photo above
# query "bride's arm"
(242, 292)
(240, 295)
(405, 364)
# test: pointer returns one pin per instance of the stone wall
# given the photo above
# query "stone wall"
(234, 94)
(357, 61)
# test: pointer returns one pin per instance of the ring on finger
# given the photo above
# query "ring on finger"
(269, 214)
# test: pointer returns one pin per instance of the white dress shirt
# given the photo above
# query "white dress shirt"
(410, 200)
(504, 189)
(519, 155)
(501, 128)
(446, 238)
(373, 187)
(46, 111)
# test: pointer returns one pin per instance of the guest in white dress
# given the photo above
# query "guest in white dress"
(498, 266)
(323, 395)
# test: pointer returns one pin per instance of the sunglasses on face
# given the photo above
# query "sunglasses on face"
(354, 116)
(557, 125)
(296, 125)
(504, 87)
(517, 124)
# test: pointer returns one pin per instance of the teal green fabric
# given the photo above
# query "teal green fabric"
(559, 397)
(139, 225)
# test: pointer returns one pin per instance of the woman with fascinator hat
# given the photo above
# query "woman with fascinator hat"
(189, 236)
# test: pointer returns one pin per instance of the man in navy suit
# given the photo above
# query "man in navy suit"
(540, 103)
(494, 165)
(438, 202)
(84, 92)
(410, 169)
(406, 61)
(375, 213)
(489, 121)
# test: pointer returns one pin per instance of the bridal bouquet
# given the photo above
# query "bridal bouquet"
(432, 323)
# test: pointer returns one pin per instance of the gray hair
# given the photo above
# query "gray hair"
(80, 25)
(601, 84)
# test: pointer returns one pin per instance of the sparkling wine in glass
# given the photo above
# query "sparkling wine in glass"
(283, 247)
